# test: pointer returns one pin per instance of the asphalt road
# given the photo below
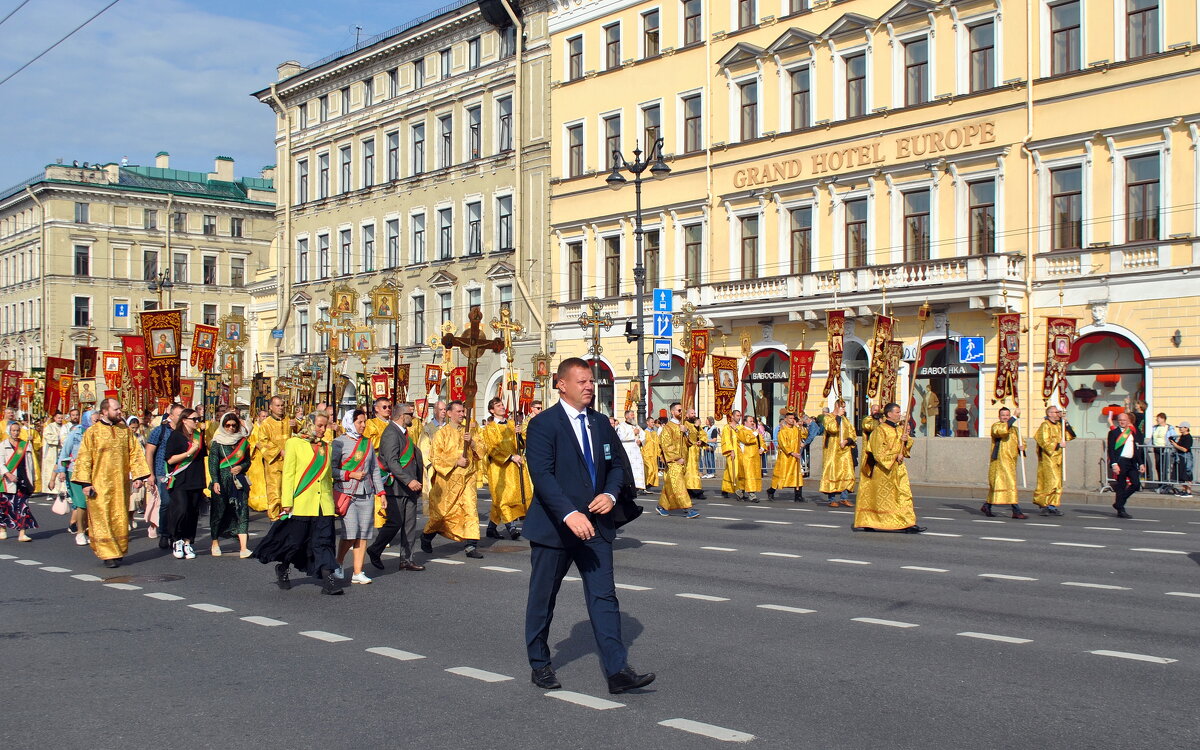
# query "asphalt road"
(771, 624)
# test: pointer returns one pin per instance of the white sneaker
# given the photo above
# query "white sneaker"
(339, 573)
(189, 553)
(360, 578)
(81, 539)
(177, 551)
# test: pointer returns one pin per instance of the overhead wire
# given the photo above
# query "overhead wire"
(69, 34)
(13, 12)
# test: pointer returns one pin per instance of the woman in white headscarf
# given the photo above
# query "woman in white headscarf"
(228, 460)
(356, 475)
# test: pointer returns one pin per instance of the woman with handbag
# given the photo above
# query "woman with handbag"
(355, 483)
(16, 461)
(228, 460)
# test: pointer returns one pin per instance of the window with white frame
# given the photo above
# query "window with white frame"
(368, 162)
(323, 175)
(302, 181)
(693, 253)
(693, 122)
(748, 230)
(446, 141)
(504, 134)
(693, 21)
(801, 97)
(474, 298)
(1066, 52)
(302, 331)
(302, 259)
(611, 125)
(345, 238)
(855, 99)
(392, 230)
(1066, 207)
(504, 223)
(1143, 192)
(418, 320)
(916, 71)
(650, 33)
(652, 256)
(445, 218)
(417, 245)
(575, 58)
(504, 294)
(612, 266)
(368, 247)
(346, 167)
(322, 256)
(474, 132)
(916, 224)
(856, 228)
(575, 150)
(393, 155)
(612, 46)
(747, 93)
(651, 125)
(446, 305)
(800, 228)
(1141, 28)
(475, 228)
(418, 148)
(981, 41)
(747, 13)
(575, 271)
(981, 216)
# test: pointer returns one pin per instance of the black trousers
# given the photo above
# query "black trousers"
(401, 519)
(184, 513)
(1127, 481)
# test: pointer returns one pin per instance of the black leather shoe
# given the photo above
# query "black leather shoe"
(1123, 514)
(376, 561)
(986, 509)
(492, 532)
(330, 586)
(915, 529)
(474, 553)
(410, 565)
(111, 563)
(627, 679)
(281, 576)
(771, 495)
(427, 546)
(545, 678)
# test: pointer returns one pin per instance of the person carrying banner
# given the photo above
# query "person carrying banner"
(885, 501)
(674, 447)
(788, 473)
(268, 438)
(1007, 449)
(837, 463)
(1051, 438)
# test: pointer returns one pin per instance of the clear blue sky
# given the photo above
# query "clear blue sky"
(163, 75)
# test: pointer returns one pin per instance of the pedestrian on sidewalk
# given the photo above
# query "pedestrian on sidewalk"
(16, 458)
(1184, 459)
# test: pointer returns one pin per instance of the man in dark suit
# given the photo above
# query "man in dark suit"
(573, 455)
(402, 463)
(1126, 461)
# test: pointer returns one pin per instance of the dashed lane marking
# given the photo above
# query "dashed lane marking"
(720, 549)
(802, 510)
(572, 578)
(86, 577)
(777, 523)
(28, 562)
(703, 597)
(266, 622)
(215, 608)
(888, 623)
(321, 635)
(783, 608)
(661, 544)
(938, 518)
(444, 561)
(394, 653)
(993, 637)
(55, 569)
(581, 699)
(723, 505)
(723, 518)
(1106, 586)
(778, 554)
(707, 730)
(632, 587)
(1001, 539)
(1004, 577)
(8, 557)
(1134, 657)
(823, 525)
(924, 569)
(985, 520)
(1183, 593)
(1157, 531)
(478, 674)
(939, 533)
(164, 597)
(843, 512)
(1077, 544)
(1160, 551)
(392, 554)
(499, 569)
(123, 586)
(1104, 528)
(847, 562)
(1047, 525)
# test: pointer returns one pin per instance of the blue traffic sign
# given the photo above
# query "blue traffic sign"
(970, 350)
(121, 309)
(663, 299)
(662, 348)
(662, 325)
(276, 333)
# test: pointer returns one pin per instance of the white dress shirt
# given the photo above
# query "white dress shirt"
(577, 429)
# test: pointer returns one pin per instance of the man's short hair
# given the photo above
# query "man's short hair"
(890, 406)
(568, 364)
(536, 402)
(493, 401)
(381, 400)
(674, 404)
(1161, 415)
(451, 404)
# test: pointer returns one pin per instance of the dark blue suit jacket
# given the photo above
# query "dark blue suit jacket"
(560, 477)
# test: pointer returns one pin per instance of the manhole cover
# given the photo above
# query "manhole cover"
(143, 579)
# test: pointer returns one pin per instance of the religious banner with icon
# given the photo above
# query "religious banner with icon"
(835, 330)
(65, 392)
(631, 396)
(800, 364)
(433, 378)
(381, 386)
(725, 382)
(345, 302)
(699, 352)
(362, 389)
(1060, 336)
(28, 389)
(385, 304)
(1008, 359)
(138, 367)
(458, 384)
(401, 380)
(890, 373)
(260, 391)
(10, 388)
(187, 392)
(56, 368)
(420, 408)
(212, 392)
(883, 334)
(163, 334)
(5, 364)
(111, 366)
(204, 347)
(87, 363)
(525, 403)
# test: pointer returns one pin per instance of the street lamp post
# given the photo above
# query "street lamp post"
(658, 170)
(160, 283)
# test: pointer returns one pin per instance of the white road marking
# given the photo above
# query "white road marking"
(778, 554)
(1001, 539)
(1004, 577)
(164, 597)
(703, 597)
(321, 635)
(478, 674)
(664, 544)
(54, 569)
(1156, 531)
(723, 505)
(1183, 593)
(823, 525)
(123, 586)
(779, 523)
(923, 569)
(394, 653)
(632, 587)
(802, 510)
(782, 608)
(1077, 544)
(266, 622)
(720, 549)
(444, 561)
(847, 562)
(1095, 586)
(499, 569)
(210, 608)
(889, 623)
(1047, 525)
(936, 533)
(985, 520)
(580, 699)
(707, 730)
(1104, 528)
(27, 562)
(1161, 551)
(938, 518)
(1134, 657)
(8, 557)
(991, 637)
(86, 577)
(723, 518)
(843, 512)
(1087, 516)
(392, 554)
(572, 578)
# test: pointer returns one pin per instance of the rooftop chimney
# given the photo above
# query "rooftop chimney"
(288, 69)
(223, 170)
(162, 160)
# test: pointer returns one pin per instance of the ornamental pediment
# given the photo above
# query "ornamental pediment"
(501, 270)
(908, 8)
(742, 54)
(847, 24)
(300, 298)
(443, 279)
(792, 40)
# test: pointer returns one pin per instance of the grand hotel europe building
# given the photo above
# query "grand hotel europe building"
(981, 155)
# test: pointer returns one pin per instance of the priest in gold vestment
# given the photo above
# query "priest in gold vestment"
(885, 501)
(788, 473)
(378, 423)
(109, 462)
(837, 460)
(455, 462)
(752, 451)
(268, 438)
(673, 444)
(1007, 449)
(733, 481)
(650, 453)
(695, 442)
(508, 479)
(1051, 438)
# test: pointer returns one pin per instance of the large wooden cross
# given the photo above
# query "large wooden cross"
(473, 344)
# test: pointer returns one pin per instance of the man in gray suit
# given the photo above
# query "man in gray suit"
(402, 465)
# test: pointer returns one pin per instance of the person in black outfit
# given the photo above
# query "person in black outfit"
(1126, 460)
(401, 463)
(185, 447)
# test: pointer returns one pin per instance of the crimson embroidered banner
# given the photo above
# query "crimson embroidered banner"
(139, 369)
(725, 383)
(882, 335)
(458, 383)
(187, 392)
(87, 363)
(1060, 336)
(1008, 357)
(10, 388)
(111, 365)
(800, 363)
(528, 388)
(835, 330)
(433, 378)
(381, 386)
(890, 371)
(163, 333)
(56, 368)
(699, 352)
(28, 389)
(204, 347)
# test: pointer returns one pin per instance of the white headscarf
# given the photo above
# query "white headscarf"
(348, 425)
(221, 437)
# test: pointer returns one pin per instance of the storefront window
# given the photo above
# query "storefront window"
(603, 402)
(854, 381)
(945, 403)
(764, 383)
(665, 388)
(1105, 369)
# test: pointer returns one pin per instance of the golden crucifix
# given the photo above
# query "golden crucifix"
(506, 327)
(595, 321)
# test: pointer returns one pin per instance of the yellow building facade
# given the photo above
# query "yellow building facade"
(418, 159)
(1034, 157)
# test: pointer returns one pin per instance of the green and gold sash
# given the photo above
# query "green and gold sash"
(17, 457)
(357, 456)
(179, 467)
(236, 456)
(316, 467)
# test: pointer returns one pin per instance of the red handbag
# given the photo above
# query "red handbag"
(342, 503)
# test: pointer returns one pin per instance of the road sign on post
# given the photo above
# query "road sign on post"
(970, 350)
(662, 325)
(662, 352)
(663, 299)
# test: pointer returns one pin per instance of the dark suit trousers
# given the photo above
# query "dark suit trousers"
(594, 562)
(1128, 481)
(401, 519)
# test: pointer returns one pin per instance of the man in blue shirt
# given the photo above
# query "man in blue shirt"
(156, 458)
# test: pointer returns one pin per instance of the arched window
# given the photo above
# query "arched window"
(945, 397)
(1104, 370)
(604, 399)
(764, 385)
(665, 388)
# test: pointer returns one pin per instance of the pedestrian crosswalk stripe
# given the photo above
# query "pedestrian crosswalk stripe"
(394, 653)
(581, 699)
(478, 674)
(1134, 657)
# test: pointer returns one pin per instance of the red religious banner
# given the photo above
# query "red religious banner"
(433, 378)
(28, 389)
(800, 363)
(458, 384)
(1008, 359)
(420, 408)
(163, 333)
(87, 363)
(883, 334)
(110, 363)
(724, 384)
(402, 382)
(631, 396)
(139, 368)
(835, 330)
(1060, 336)
(699, 349)
(381, 386)
(56, 368)
(528, 388)
(892, 353)
(187, 392)
(65, 391)
(10, 387)
(204, 347)
(5, 364)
